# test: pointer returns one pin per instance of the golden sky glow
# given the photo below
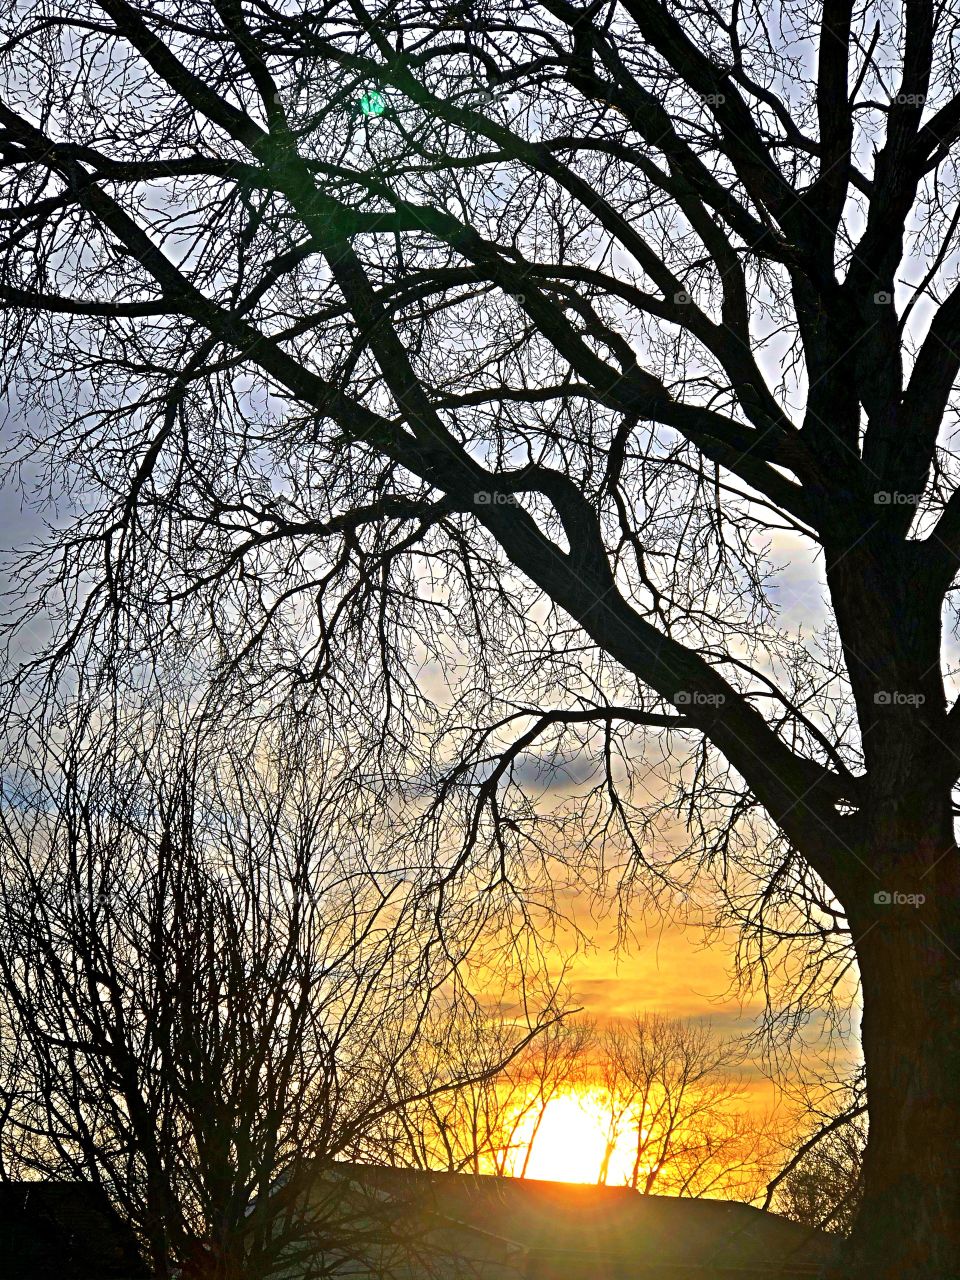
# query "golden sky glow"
(666, 969)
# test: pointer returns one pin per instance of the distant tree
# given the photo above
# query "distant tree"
(618, 1095)
(460, 1095)
(553, 1065)
(480, 1084)
(822, 1182)
(466, 370)
(823, 1189)
(671, 1091)
(209, 1003)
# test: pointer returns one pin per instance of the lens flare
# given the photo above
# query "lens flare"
(373, 103)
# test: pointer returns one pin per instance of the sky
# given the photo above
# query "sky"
(665, 967)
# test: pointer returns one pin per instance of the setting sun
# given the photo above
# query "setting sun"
(569, 1143)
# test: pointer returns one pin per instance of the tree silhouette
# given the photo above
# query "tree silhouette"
(821, 1182)
(670, 1087)
(458, 371)
(207, 1008)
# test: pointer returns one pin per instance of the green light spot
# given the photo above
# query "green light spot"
(372, 103)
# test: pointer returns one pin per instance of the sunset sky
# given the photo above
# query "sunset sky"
(664, 967)
(669, 969)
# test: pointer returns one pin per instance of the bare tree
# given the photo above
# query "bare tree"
(823, 1189)
(461, 1093)
(822, 1181)
(617, 1092)
(463, 369)
(481, 1083)
(554, 1064)
(671, 1089)
(211, 1005)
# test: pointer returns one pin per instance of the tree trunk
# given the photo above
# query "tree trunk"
(532, 1140)
(909, 955)
(900, 886)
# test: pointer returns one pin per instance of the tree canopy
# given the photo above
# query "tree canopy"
(454, 375)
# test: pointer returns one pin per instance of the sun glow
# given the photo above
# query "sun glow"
(569, 1144)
